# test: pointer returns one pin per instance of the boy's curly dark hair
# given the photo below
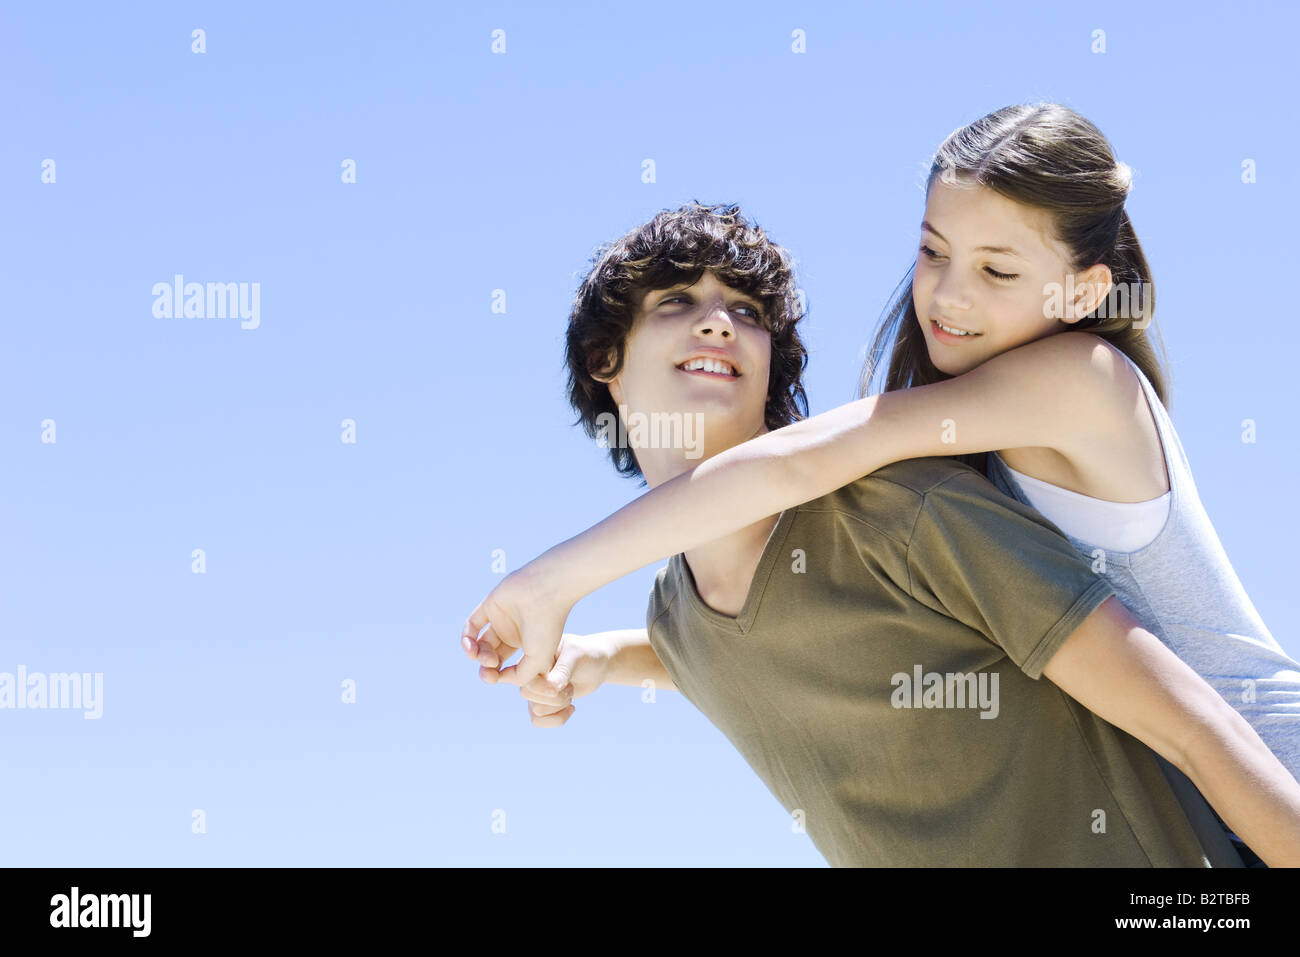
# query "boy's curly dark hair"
(677, 246)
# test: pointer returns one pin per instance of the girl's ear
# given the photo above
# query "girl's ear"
(1090, 289)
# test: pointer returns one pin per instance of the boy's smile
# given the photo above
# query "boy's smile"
(717, 363)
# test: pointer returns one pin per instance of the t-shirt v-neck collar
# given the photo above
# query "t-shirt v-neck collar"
(757, 586)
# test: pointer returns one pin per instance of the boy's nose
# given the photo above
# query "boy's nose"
(716, 319)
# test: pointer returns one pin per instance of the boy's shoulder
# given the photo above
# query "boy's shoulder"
(888, 502)
(890, 497)
(921, 476)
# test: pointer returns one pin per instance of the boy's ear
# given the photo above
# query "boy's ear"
(601, 371)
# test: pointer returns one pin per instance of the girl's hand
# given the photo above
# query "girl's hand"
(580, 669)
(522, 612)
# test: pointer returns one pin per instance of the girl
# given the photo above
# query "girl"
(1020, 329)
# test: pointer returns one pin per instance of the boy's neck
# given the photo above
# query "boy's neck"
(723, 568)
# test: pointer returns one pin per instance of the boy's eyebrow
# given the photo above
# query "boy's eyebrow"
(925, 224)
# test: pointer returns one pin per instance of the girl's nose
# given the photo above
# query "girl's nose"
(950, 293)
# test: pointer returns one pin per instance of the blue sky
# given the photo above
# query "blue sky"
(328, 561)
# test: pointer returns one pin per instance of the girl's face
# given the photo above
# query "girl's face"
(986, 265)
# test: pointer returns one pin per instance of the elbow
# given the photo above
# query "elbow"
(1212, 731)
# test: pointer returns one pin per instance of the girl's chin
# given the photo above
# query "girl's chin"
(948, 366)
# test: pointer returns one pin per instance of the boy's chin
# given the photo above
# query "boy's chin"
(728, 430)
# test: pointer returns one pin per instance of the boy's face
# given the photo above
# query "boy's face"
(682, 323)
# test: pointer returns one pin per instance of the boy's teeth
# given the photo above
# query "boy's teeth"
(708, 365)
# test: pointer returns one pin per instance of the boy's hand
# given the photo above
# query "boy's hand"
(522, 612)
(580, 668)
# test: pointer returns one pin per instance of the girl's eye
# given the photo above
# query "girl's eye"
(1003, 276)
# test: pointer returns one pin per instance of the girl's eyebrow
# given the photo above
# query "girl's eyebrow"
(1006, 250)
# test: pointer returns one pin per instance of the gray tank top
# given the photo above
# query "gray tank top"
(1182, 588)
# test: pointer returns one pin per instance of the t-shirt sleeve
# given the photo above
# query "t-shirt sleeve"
(651, 609)
(999, 567)
(654, 603)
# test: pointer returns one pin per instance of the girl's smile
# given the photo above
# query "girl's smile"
(944, 336)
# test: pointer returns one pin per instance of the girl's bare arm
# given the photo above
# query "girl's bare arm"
(1123, 674)
(1058, 392)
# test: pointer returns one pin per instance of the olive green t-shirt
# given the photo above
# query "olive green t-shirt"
(883, 680)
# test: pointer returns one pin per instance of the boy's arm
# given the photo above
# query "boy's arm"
(632, 660)
(1125, 675)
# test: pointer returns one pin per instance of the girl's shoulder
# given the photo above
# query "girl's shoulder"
(1078, 351)
(1101, 382)
(1083, 364)
(1114, 452)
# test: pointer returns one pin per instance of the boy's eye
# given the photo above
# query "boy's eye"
(755, 315)
(1003, 276)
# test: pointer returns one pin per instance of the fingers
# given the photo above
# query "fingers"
(546, 708)
(540, 692)
(541, 689)
(509, 675)
(544, 716)
(529, 667)
(488, 649)
(491, 653)
(473, 625)
(492, 650)
(557, 677)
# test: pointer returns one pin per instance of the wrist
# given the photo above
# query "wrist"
(629, 658)
(550, 579)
